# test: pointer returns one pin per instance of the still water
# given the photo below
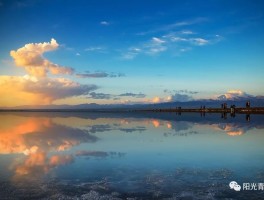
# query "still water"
(53, 155)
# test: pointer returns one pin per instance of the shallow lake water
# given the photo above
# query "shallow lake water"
(59, 155)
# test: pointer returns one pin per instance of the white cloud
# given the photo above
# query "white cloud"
(156, 50)
(96, 48)
(233, 95)
(157, 40)
(31, 58)
(173, 26)
(155, 46)
(199, 41)
(178, 39)
(105, 23)
(187, 32)
(132, 53)
(176, 42)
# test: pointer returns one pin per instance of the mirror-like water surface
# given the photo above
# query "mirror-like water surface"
(130, 155)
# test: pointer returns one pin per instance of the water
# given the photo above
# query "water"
(129, 155)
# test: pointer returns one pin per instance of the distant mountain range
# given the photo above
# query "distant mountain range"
(239, 102)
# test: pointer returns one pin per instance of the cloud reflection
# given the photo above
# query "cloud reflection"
(37, 164)
(233, 129)
(30, 135)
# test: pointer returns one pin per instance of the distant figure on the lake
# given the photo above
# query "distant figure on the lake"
(232, 108)
(248, 104)
(224, 106)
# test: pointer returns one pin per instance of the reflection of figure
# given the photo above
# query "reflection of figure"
(232, 110)
(224, 116)
(179, 110)
(248, 117)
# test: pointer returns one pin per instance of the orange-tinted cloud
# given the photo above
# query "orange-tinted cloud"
(30, 90)
(31, 58)
(156, 100)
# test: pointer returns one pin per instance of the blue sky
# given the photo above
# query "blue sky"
(135, 51)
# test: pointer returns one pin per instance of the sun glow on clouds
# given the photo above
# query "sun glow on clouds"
(31, 58)
(38, 91)
(36, 88)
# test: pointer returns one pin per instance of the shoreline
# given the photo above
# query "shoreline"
(252, 110)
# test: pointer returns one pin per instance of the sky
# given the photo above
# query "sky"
(129, 52)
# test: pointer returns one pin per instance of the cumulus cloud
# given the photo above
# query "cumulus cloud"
(34, 90)
(99, 75)
(31, 58)
(234, 95)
